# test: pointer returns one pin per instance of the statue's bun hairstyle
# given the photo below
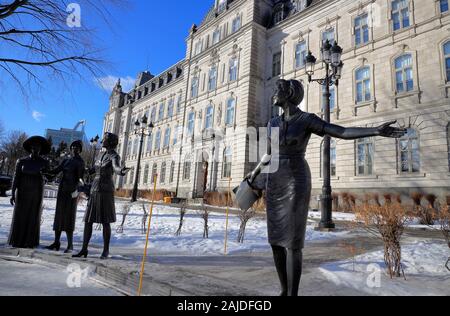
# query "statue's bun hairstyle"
(113, 140)
(297, 92)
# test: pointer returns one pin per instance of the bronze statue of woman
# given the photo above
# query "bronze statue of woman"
(101, 207)
(289, 188)
(67, 201)
(27, 194)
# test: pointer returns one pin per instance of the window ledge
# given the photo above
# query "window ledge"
(332, 179)
(445, 89)
(411, 176)
(402, 95)
(371, 104)
(365, 178)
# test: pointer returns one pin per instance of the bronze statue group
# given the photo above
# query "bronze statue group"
(28, 188)
(288, 189)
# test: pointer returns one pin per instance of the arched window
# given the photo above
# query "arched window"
(231, 106)
(161, 112)
(131, 175)
(153, 115)
(364, 156)
(216, 36)
(300, 54)
(409, 152)
(170, 108)
(175, 135)
(172, 172)
(333, 158)
(187, 168)
(447, 61)
(236, 25)
(129, 147)
(400, 14)
(233, 69)
(135, 146)
(194, 87)
(227, 162)
(154, 173)
(212, 79)
(158, 140)
(146, 171)
(363, 89)
(209, 117)
(167, 138)
(404, 78)
(162, 176)
(149, 143)
(443, 6)
(191, 123)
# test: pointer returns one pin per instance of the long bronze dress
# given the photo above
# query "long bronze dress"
(29, 186)
(101, 208)
(289, 189)
(66, 205)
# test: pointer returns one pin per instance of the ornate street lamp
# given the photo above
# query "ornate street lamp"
(142, 129)
(331, 57)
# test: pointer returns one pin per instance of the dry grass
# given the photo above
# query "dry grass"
(218, 199)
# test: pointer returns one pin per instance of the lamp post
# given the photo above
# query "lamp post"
(94, 143)
(142, 129)
(331, 57)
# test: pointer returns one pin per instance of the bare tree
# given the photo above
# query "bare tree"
(43, 38)
(2, 130)
(12, 146)
(205, 215)
(182, 214)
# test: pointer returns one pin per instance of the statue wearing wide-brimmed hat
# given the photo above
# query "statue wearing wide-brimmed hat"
(72, 170)
(27, 194)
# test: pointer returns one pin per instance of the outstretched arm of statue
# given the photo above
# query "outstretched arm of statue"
(118, 169)
(385, 130)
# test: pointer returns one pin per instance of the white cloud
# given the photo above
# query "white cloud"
(37, 116)
(107, 83)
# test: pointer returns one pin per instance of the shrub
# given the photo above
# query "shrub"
(218, 199)
(388, 222)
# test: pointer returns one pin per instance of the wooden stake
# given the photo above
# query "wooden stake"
(228, 215)
(144, 257)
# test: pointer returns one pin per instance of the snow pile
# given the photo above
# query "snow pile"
(424, 266)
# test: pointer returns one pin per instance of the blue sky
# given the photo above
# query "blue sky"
(146, 35)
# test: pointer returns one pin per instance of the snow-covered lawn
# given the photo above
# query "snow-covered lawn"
(165, 223)
(423, 263)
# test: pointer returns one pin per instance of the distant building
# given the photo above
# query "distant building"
(67, 135)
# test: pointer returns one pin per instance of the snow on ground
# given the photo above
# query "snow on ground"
(32, 277)
(165, 223)
(424, 266)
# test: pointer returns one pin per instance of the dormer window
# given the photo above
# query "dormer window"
(169, 77)
(179, 71)
(278, 15)
(221, 6)
(161, 82)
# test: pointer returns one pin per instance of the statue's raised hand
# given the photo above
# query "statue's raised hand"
(386, 130)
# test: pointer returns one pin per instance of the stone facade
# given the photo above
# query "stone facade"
(399, 60)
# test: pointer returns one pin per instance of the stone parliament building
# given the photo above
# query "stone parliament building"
(396, 67)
